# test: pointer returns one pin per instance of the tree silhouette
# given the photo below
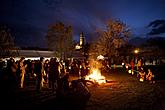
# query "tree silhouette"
(59, 39)
(113, 37)
(7, 42)
(6, 39)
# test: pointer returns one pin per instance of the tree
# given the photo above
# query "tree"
(59, 39)
(68, 41)
(113, 37)
(7, 42)
(6, 39)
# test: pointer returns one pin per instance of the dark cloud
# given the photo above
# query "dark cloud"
(158, 27)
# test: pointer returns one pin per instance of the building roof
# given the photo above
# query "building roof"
(26, 53)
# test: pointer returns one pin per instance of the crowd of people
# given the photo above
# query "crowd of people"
(142, 74)
(53, 72)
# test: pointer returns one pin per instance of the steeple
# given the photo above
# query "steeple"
(82, 39)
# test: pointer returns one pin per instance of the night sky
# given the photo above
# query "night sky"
(29, 19)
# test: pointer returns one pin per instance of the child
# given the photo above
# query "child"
(150, 76)
(142, 75)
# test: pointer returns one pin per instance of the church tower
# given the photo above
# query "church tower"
(82, 39)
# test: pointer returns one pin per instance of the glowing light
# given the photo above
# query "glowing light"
(130, 71)
(96, 76)
(100, 57)
(136, 51)
(141, 79)
(35, 75)
(123, 64)
(78, 47)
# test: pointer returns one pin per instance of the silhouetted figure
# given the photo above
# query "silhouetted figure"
(132, 66)
(63, 81)
(10, 73)
(39, 70)
(139, 65)
(54, 71)
(14, 78)
(46, 67)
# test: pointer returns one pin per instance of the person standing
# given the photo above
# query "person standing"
(46, 67)
(22, 71)
(142, 75)
(39, 70)
(11, 72)
(14, 68)
(54, 73)
(150, 76)
(139, 65)
(132, 66)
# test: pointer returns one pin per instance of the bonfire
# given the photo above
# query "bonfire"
(96, 76)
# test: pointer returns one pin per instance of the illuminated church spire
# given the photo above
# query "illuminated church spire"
(82, 39)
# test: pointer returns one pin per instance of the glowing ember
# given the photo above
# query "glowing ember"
(141, 79)
(96, 76)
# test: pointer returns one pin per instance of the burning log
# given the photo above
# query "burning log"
(96, 77)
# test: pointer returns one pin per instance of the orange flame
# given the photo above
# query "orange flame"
(96, 76)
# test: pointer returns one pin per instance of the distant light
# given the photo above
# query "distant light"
(123, 64)
(136, 51)
(35, 75)
(78, 47)
(100, 57)
(130, 71)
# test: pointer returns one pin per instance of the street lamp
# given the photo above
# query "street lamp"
(136, 51)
